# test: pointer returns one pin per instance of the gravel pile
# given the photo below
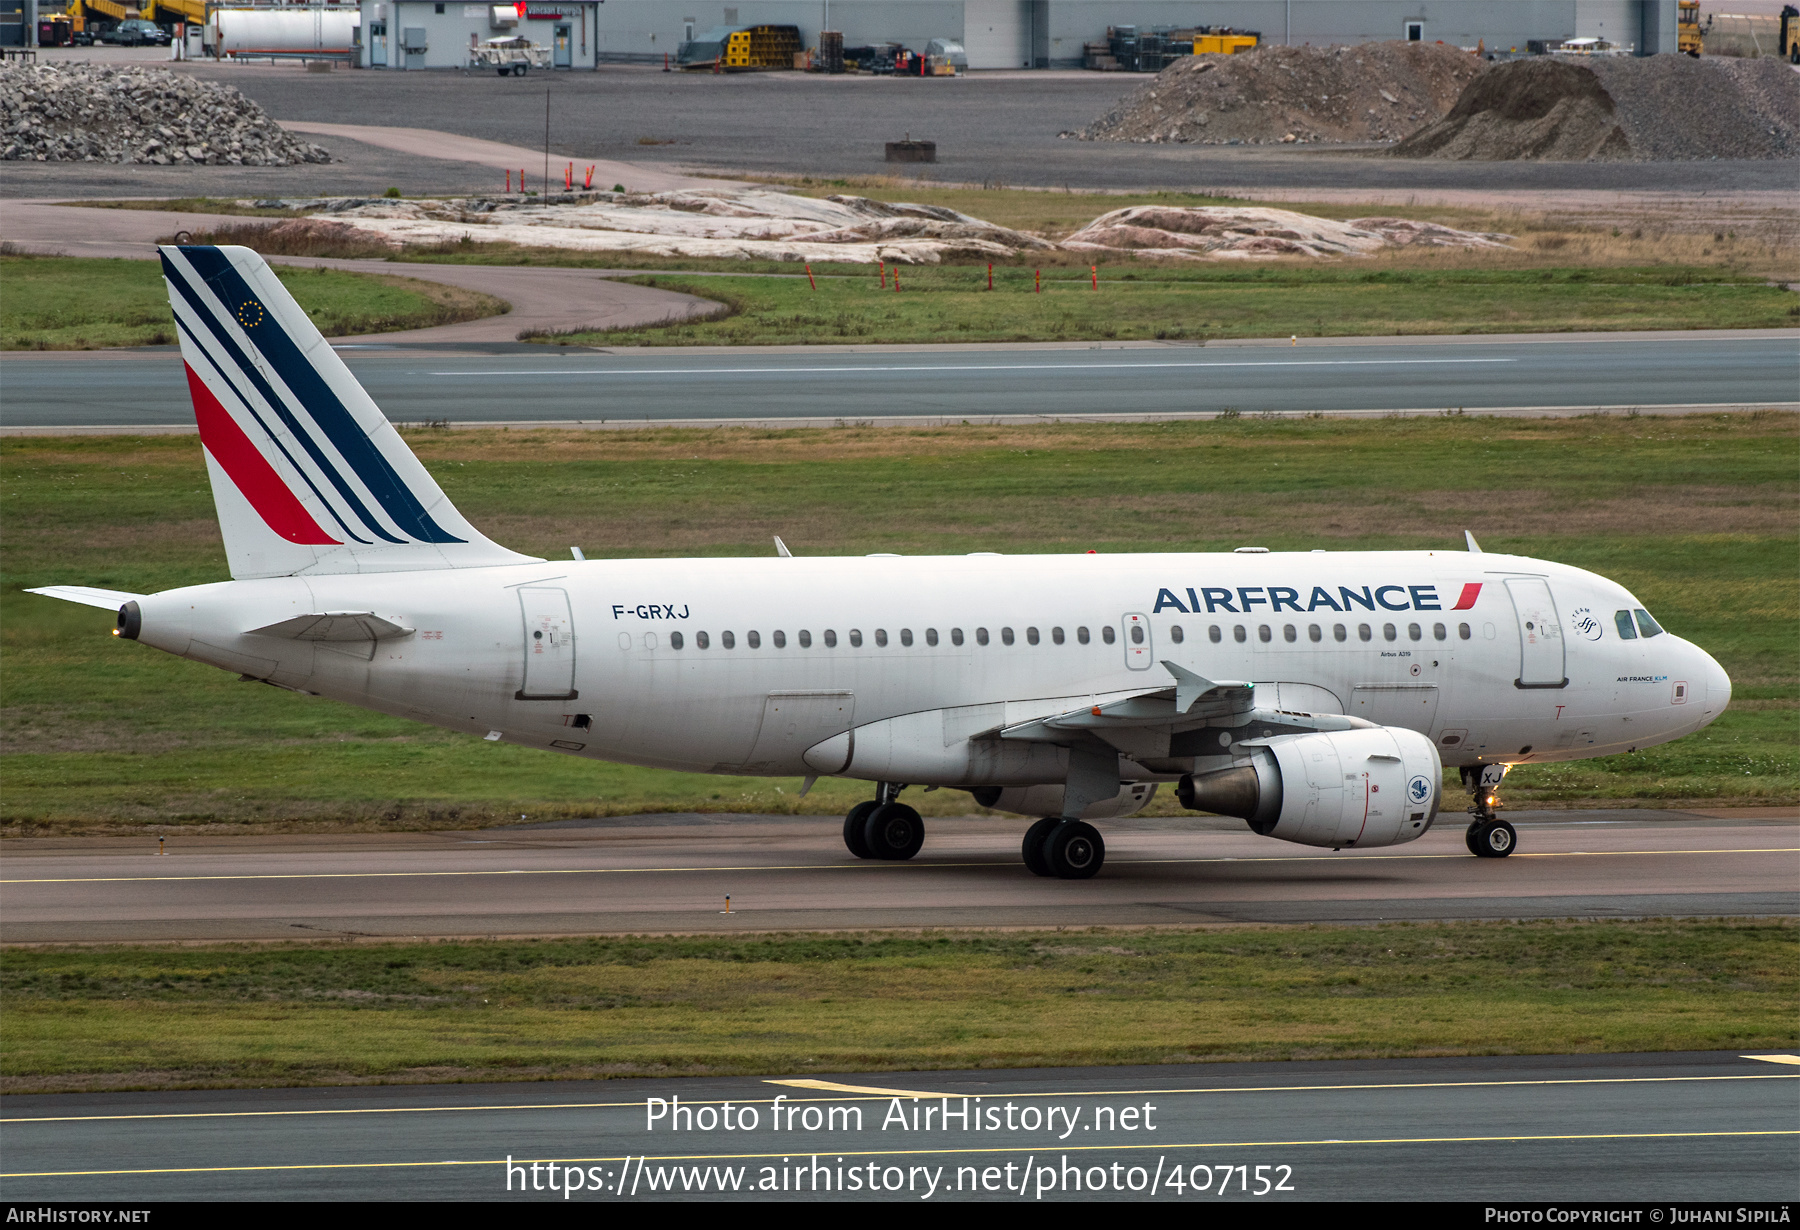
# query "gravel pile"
(90, 113)
(1654, 109)
(1256, 232)
(1293, 95)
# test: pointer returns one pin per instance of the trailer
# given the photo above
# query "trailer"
(512, 54)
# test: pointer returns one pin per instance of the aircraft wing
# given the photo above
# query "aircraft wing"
(109, 599)
(1193, 701)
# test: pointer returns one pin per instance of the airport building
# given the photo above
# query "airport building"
(1053, 33)
(420, 34)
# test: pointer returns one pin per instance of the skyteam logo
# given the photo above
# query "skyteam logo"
(1419, 790)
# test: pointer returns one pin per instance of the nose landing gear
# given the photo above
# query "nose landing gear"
(1488, 836)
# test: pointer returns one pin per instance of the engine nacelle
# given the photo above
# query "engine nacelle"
(1048, 800)
(1360, 788)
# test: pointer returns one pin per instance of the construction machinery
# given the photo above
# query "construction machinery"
(1687, 28)
(1224, 41)
(1790, 34)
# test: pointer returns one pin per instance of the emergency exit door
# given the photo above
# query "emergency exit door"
(549, 644)
(561, 39)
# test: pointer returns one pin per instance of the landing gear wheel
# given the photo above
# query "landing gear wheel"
(1074, 850)
(1032, 848)
(1469, 835)
(1494, 839)
(854, 823)
(893, 831)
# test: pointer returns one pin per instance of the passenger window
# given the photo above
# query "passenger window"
(728, 640)
(1363, 632)
(1289, 634)
(1439, 632)
(700, 640)
(1031, 636)
(855, 638)
(931, 636)
(1339, 632)
(830, 638)
(1056, 635)
(1315, 633)
(956, 636)
(981, 636)
(1081, 634)
(1462, 630)
(1137, 634)
(1215, 634)
(881, 637)
(778, 638)
(1108, 635)
(805, 639)
(1006, 636)
(1627, 629)
(674, 640)
(753, 639)
(1175, 633)
(1238, 634)
(1414, 632)
(1389, 632)
(906, 637)
(1264, 633)
(1646, 625)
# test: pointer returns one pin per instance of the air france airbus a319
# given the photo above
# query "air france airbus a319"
(1317, 695)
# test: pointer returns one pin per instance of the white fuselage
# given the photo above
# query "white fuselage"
(881, 668)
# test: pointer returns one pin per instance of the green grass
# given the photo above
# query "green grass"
(80, 303)
(1695, 514)
(951, 304)
(124, 1017)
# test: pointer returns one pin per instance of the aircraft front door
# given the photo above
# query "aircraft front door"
(549, 644)
(560, 43)
(1140, 649)
(1541, 663)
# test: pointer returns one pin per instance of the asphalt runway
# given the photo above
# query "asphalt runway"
(1669, 1127)
(1565, 373)
(638, 874)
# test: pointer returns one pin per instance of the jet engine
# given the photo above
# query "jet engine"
(1373, 787)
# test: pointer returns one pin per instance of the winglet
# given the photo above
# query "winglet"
(1189, 687)
(1474, 547)
(781, 548)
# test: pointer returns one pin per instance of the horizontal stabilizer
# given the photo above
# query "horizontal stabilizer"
(335, 626)
(109, 599)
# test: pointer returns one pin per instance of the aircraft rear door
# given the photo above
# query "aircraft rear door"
(1541, 662)
(549, 644)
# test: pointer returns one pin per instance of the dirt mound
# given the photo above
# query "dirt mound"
(1289, 95)
(89, 113)
(1654, 109)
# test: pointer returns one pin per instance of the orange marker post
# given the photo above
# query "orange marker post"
(1037, 281)
(809, 278)
(990, 275)
(896, 279)
(509, 183)
(883, 275)
(1095, 270)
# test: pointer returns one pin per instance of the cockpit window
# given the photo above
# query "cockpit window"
(1627, 630)
(1646, 625)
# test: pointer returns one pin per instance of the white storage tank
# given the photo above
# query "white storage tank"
(283, 32)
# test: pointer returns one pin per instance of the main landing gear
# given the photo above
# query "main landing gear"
(1066, 849)
(1489, 836)
(884, 827)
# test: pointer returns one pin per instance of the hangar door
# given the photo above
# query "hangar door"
(997, 33)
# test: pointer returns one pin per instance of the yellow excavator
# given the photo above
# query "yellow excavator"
(1687, 28)
(84, 12)
(1790, 34)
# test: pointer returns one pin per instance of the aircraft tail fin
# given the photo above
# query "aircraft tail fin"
(308, 476)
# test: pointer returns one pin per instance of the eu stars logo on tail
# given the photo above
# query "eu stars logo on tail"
(307, 474)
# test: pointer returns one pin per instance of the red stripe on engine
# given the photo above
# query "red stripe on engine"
(250, 470)
(1471, 591)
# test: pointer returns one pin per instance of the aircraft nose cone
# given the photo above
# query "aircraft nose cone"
(1718, 685)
